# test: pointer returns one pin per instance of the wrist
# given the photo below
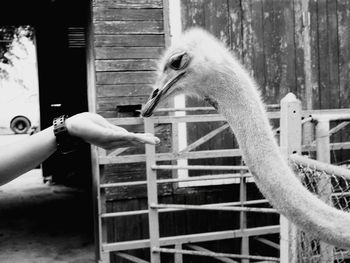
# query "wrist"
(69, 126)
(65, 141)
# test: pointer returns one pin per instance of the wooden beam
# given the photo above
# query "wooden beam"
(199, 248)
(103, 13)
(192, 238)
(138, 4)
(140, 40)
(131, 258)
(290, 143)
(205, 138)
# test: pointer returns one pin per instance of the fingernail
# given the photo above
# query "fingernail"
(157, 140)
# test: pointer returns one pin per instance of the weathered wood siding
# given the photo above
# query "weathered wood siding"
(129, 37)
(299, 46)
(288, 45)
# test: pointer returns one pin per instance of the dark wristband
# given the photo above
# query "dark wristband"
(66, 143)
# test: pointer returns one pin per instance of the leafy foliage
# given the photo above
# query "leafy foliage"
(8, 35)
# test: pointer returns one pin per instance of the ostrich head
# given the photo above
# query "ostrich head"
(193, 65)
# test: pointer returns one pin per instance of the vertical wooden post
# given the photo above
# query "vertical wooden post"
(178, 256)
(243, 218)
(152, 193)
(324, 186)
(103, 232)
(290, 124)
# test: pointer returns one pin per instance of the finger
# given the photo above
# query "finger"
(138, 137)
(144, 138)
(116, 128)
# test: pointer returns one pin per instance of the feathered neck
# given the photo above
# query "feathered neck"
(239, 101)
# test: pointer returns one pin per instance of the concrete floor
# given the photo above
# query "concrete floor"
(41, 223)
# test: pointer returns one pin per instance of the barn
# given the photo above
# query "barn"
(101, 55)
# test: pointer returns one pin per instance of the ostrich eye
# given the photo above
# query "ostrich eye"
(179, 61)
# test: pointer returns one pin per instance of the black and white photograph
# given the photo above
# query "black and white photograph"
(175, 131)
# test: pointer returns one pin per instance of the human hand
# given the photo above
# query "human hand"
(96, 130)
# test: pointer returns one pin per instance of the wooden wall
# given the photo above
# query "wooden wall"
(299, 46)
(129, 36)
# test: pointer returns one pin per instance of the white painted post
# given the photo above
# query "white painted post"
(178, 256)
(290, 143)
(243, 218)
(324, 186)
(152, 194)
(102, 224)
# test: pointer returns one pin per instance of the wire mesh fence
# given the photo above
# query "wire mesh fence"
(335, 191)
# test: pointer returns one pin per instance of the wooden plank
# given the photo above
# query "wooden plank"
(129, 3)
(140, 40)
(216, 19)
(344, 52)
(123, 90)
(137, 77)
(235, 24)
(128, 27)
(216, 117)
(324, 185)
(169, 156)
(193, 238)
(315, 71)
(332, 29)
(205, 138)
(290, 143)
(152, 194)
(279, 49)
(329, 90)
(302, 52)
(198, 248)
(166, 20)
(243, 216)
(95, 169)
(110, 104)
(253, 44)
(131, 258)
(192, 13)
(103, 13)
(128, 52)
(126, 65)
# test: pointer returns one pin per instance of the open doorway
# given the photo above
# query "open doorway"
(46, 215)
(19, 87)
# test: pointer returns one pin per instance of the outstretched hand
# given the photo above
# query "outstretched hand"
(96, 130)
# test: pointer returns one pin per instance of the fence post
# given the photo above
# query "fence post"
(290, 143)
(324, 186)
(177, 256)
(243, 218)
(152, 194)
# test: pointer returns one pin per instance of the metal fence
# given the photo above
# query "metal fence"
(334, 190)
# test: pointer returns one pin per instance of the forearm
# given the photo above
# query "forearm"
(24, 155)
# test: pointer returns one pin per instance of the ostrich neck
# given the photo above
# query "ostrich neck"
(240, 103)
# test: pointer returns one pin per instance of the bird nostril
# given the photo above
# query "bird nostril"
(155, 93)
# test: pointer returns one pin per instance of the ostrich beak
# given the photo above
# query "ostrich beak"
(158, 94)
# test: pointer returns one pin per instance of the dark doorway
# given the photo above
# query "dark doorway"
(62, 78)
(60, 39)
(58, 215)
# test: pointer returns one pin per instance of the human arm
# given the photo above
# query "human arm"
(24, 155)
